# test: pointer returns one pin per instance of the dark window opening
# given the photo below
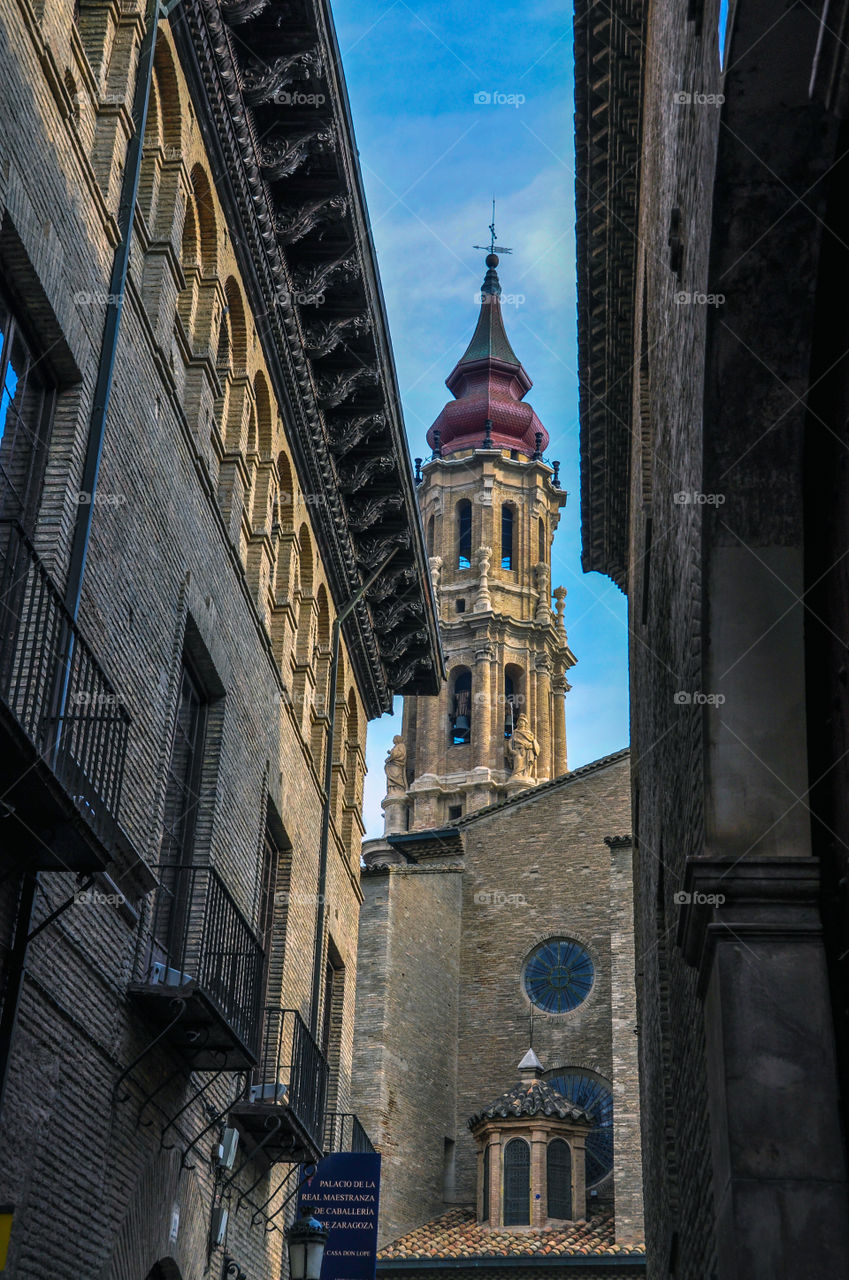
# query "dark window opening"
(542, 541)
(430, 535)
(182, 800)
(509, 706)
(517, 1183)
(464, 534)
(558, 1178)
(461, 715)
(449, 1169)
(455, 811)
(460, 606)
(271, 862)
(507, 536)
(26, 403)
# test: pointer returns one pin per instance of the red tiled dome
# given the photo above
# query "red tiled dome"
(489, 383)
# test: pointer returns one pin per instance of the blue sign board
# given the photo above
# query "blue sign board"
(343, 1194)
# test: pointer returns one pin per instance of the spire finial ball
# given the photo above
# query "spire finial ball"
(492, 259)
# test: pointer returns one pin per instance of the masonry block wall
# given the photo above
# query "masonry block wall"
(183, 559)
(406, 1047)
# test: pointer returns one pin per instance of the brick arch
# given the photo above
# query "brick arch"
(264, 419)
(143, 1247)
(286, 500)
(206, 220)
(306, 560)
(168, 96)
(238, 327)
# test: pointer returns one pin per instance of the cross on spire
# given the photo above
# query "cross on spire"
(492, 247)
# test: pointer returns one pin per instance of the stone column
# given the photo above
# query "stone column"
(539, 1190)
(578, 1144)
(496, 1196)
(752, 929)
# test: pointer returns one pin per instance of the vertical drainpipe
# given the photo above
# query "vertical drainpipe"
(318, 941)
(82, 528)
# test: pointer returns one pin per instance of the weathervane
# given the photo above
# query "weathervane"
(492, 247)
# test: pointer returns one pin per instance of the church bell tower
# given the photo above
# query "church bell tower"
(490, 504)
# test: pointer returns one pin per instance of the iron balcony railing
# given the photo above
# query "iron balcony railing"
(343, 1132)
(291, 1071)
(46, 664)
(194, 936)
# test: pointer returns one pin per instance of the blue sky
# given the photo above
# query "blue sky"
(453, 104)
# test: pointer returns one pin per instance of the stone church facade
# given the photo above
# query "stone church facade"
(181, 757)
(495, 966)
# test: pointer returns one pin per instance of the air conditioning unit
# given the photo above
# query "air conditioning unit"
(227, 1148)
(274, 1091)
(218, 1229)
(168, 977)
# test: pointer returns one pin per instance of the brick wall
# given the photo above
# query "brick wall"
(172, 553)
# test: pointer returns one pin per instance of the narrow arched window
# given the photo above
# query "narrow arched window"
(430, 536)
(542, 540)
(558, 1179)
(507, 513)
(461, 708)
(517, 1183)
(464, 534)
(509, 706)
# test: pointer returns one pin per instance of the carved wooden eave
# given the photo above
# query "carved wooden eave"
(266, 79)
(609, 46)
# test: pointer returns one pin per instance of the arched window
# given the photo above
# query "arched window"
(507, 514)
(509, 708)
(542, 541)
(513, 697)
(461, 708)
(558, 1178)
(517, 1183)
(430, 526)
(464, 534)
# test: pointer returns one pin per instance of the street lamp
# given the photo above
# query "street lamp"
(306, 1239)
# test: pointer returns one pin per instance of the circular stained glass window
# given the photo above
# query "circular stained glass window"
(587, 1091)
(558, 975)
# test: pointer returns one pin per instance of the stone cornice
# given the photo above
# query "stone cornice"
(745, 900)
(609, 49)
(289, 181)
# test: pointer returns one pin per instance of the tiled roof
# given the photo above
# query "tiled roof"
(531, 1098)
(456, 1235)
